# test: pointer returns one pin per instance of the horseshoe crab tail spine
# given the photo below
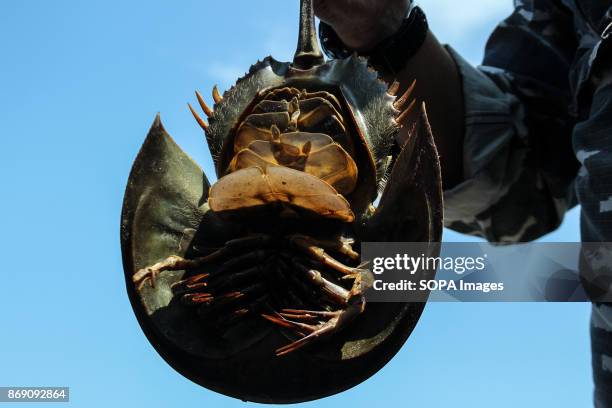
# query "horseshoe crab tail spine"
(308, 53)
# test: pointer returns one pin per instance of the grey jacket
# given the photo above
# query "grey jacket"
(539, 137)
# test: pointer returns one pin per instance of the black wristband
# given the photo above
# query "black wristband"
(391, 55)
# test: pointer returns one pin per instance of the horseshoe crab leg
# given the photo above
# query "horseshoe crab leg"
(332, 323)
(343, 246)
(311, 247)
(303, 295)
(312, 325)
(219, 300)
(335, 293)
(206, 280)
(229, 308)
(239, 314)
(300, 328)
(297, 314)
(177, 263)
(172, 263)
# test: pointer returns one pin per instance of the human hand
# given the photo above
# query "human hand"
(362, 24)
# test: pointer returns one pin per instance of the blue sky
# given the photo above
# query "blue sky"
(80, 84)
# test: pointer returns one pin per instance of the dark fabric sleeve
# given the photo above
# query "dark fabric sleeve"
(519, 164)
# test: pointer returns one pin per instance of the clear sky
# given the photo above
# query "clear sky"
(80, 84)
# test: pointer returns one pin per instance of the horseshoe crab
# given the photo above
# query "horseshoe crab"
(252, 287)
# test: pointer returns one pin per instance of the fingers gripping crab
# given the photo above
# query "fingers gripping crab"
(303, 151)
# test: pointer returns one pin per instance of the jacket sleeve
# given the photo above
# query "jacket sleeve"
(519, 164)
